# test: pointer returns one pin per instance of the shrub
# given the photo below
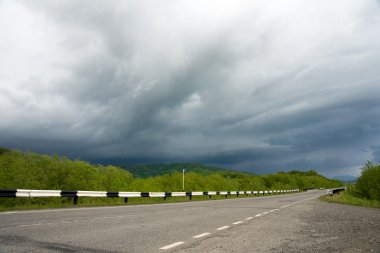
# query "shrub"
(368, 184)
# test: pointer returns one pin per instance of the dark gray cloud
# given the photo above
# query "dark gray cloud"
(376, 154)
(254, 85)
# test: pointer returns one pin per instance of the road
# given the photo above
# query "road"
(280, 223)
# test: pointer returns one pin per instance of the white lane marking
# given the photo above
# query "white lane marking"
(238, 222)
(294, 203)
(265, 213)
(64, 221)
(172, 245)
(258, 215)
(249, 218)
(109, 217)
(224, 227)
(201, 235)
(78, 209)
(277, 209)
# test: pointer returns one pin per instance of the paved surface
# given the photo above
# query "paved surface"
(281, 223)
(311, 226)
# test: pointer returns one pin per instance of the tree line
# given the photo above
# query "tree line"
(27, 170)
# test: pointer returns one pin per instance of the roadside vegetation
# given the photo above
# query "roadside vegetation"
(365, 192)
(19, 170)
(349, 199)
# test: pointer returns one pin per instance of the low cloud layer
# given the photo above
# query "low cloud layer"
(255, 85)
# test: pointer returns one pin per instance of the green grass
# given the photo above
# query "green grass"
(347, 198)
(10, 204)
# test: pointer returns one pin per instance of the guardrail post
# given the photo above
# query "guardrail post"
(209, 196)
(125, 200)
(237, 194)
(75, 201)
(226, 195)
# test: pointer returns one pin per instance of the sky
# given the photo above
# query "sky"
(260, 86)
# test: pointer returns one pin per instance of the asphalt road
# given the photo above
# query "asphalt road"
(260, 224)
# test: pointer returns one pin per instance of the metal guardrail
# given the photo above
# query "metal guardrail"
(25, 193)
(336, 190)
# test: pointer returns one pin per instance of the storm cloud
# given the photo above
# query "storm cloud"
(260, 86)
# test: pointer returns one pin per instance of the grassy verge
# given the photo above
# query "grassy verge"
(347, 198)
(10, 204)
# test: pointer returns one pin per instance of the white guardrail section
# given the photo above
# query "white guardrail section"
(91, 194)
(37, 193)
(178, 194)
(129, 194)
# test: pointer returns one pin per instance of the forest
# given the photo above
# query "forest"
(27, 170)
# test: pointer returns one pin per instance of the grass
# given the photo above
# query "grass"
(347, 198)
(10, 204)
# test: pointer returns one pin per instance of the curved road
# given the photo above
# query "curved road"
(280, 223)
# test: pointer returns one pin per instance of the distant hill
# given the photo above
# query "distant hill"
(346, 178)
(159, 169)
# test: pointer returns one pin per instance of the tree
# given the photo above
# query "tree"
(368, 184)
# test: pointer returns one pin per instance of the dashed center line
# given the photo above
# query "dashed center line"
(224, 227)
(172, 245)
(249, 218)
(258, 215)
(238, 222)
(201, 235)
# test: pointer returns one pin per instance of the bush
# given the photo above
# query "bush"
(368, 184)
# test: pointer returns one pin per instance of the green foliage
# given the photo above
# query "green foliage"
(349, 199)
(368, 184)
(115, 179)
(34, 171)
(3, 150)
